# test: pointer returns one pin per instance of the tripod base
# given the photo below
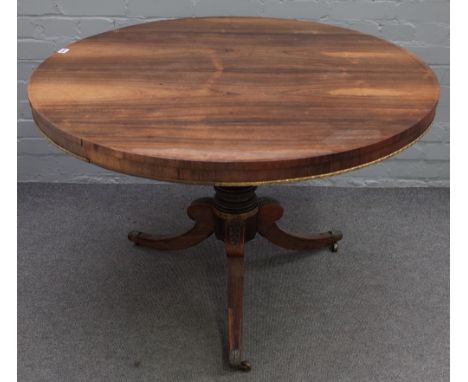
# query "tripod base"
(235, 215)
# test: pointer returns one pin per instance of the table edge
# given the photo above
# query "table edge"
(424, 127)
(76, 146)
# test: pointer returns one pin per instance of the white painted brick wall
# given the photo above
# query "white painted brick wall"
(421, 26)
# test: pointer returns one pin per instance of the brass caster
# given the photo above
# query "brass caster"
(236, 363)
(242, 366)
(334, 247)
(245, 366)
(132, 236)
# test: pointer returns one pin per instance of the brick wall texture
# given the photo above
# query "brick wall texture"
(422, 26)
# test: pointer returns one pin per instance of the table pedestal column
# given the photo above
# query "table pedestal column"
(235, 215)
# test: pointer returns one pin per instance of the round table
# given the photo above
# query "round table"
(233, 102)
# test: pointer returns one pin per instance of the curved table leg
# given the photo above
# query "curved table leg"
(235, 229)
(270, 211)
(234, 244)
(200, 211)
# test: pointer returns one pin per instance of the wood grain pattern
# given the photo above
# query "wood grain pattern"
(231, 100)
(235, 214)
(270, 211)
(200, 211)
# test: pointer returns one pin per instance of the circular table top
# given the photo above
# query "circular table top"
(233, 100)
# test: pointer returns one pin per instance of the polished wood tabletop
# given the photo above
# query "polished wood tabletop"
(233, 100)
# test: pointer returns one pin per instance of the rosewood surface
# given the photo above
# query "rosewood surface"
(233, 101)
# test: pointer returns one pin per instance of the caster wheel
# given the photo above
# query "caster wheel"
(245, 366)
(334, 247)
(132, 236)
(236, 363)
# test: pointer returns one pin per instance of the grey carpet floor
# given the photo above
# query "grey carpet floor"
(93, 307)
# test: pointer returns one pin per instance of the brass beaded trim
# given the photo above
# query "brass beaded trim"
(241, 216)
(65, 150)
(332, 173)
(265, 182)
